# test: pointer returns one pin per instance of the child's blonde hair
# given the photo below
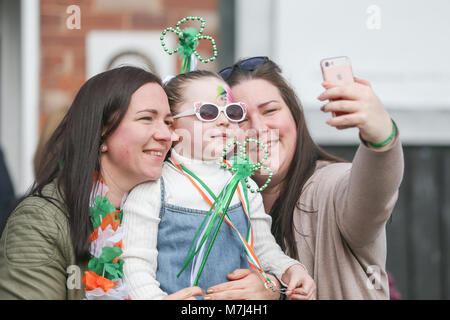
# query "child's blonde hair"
(174, 87)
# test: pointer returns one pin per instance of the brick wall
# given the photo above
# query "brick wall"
(63, 58)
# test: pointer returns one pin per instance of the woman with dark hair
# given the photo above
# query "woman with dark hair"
(327, 213)
(114, 136)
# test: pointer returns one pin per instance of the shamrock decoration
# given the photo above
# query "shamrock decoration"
(108, 264)
(188, 42)
(100, 209)
(243, 168)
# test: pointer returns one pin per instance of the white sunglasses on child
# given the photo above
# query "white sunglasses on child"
(206, 111)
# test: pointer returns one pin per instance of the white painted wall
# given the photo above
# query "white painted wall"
(101, 46)
(406, 58)
(254, 27)
(30, 76)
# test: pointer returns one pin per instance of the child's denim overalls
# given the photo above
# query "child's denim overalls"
(176, 231)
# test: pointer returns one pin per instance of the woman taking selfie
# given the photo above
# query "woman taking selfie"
(327, 213)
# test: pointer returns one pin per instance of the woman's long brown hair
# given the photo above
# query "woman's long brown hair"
(72, 155)
(303, 164)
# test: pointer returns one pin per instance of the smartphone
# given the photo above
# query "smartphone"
(337, 70)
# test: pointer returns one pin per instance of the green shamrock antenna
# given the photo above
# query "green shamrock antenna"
(188, 42)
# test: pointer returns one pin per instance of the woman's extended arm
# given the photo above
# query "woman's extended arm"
(365, 197)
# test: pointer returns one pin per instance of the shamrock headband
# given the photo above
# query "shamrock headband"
(188, 41)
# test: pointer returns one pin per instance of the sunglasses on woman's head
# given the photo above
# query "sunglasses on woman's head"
(205, 111)
(249, 64)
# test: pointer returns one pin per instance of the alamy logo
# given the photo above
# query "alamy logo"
(373, 21)
(74, 20)
(74, 277)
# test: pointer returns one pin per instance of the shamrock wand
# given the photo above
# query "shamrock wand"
(242, 169)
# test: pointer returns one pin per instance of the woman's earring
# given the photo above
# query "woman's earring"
(103, 148)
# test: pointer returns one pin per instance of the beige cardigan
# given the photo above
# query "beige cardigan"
(341, 219)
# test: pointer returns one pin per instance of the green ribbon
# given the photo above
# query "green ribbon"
(187, 46)
(221, 206)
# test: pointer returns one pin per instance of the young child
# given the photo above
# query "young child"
(161, 218)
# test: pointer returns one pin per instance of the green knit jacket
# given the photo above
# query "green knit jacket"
(37, 260)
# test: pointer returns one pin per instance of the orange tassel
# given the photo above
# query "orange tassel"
(94, 281)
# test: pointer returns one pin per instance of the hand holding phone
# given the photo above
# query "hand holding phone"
(358, 102)
(337, 70)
